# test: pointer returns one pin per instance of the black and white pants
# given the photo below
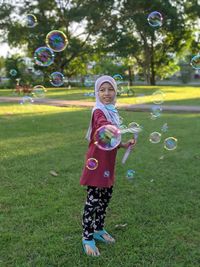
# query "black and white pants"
(95, 210)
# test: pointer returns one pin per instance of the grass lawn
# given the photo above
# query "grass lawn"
(173, 95)
(41, 213)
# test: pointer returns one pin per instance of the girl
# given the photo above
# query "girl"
(100, 181)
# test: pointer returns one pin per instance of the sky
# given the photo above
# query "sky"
(5, 49)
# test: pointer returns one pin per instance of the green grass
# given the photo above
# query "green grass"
(41, 214)
(173, 95)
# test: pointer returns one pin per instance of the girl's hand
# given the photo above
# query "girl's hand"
(130, 143)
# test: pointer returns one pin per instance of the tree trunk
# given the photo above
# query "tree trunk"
(152, 65)
(130, 76)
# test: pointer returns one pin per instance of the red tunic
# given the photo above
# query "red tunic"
(103, 175)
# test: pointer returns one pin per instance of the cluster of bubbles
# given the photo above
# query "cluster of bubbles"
(156, 111)
(56, 41)
(170, 143)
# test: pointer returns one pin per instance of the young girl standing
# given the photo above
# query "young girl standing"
(100, 181)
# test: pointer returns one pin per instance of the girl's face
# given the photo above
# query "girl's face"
(106, 93)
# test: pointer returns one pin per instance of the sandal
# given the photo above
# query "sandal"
(92, 246)
(99, 236)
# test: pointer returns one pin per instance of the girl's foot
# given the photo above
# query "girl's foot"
(103, 236)
(90, 248)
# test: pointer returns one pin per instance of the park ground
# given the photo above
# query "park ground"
(41, 212)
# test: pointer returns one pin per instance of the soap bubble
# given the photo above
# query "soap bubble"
(153, 117)
(164, 128)
(13, 72)
(30, 21)
(107, 137)
(91, 94)
(106, 174)
(43, 56)
(88, 82)
(158, 97)
(195, 62)
(92, 164)
(156, 111)
(130, 174)
(170, 143)
(39, 91)
(118, 78)
(56, 40)
(155, 19)
(57, 78)
(26, 100)
(134, 127)
(155, 137)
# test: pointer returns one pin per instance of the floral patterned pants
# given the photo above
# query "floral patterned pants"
(95, 210)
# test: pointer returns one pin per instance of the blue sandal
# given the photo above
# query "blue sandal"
(91, 244)
(99, 236)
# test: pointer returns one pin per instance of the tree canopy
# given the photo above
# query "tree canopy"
(101, 27)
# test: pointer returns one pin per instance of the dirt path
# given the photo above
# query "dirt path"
(81, 103)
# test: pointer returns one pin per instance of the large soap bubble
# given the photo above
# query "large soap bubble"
(56, 40)
(43, 56)
(107, 137)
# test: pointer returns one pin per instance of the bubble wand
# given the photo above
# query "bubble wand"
(135, 131)
(128, 150)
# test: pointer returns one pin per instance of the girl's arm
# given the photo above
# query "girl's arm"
(99, 119)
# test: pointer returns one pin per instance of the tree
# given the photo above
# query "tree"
(2, 64)
(51, 15)
(128, 33)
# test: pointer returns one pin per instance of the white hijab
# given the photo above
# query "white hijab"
(109, 111)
